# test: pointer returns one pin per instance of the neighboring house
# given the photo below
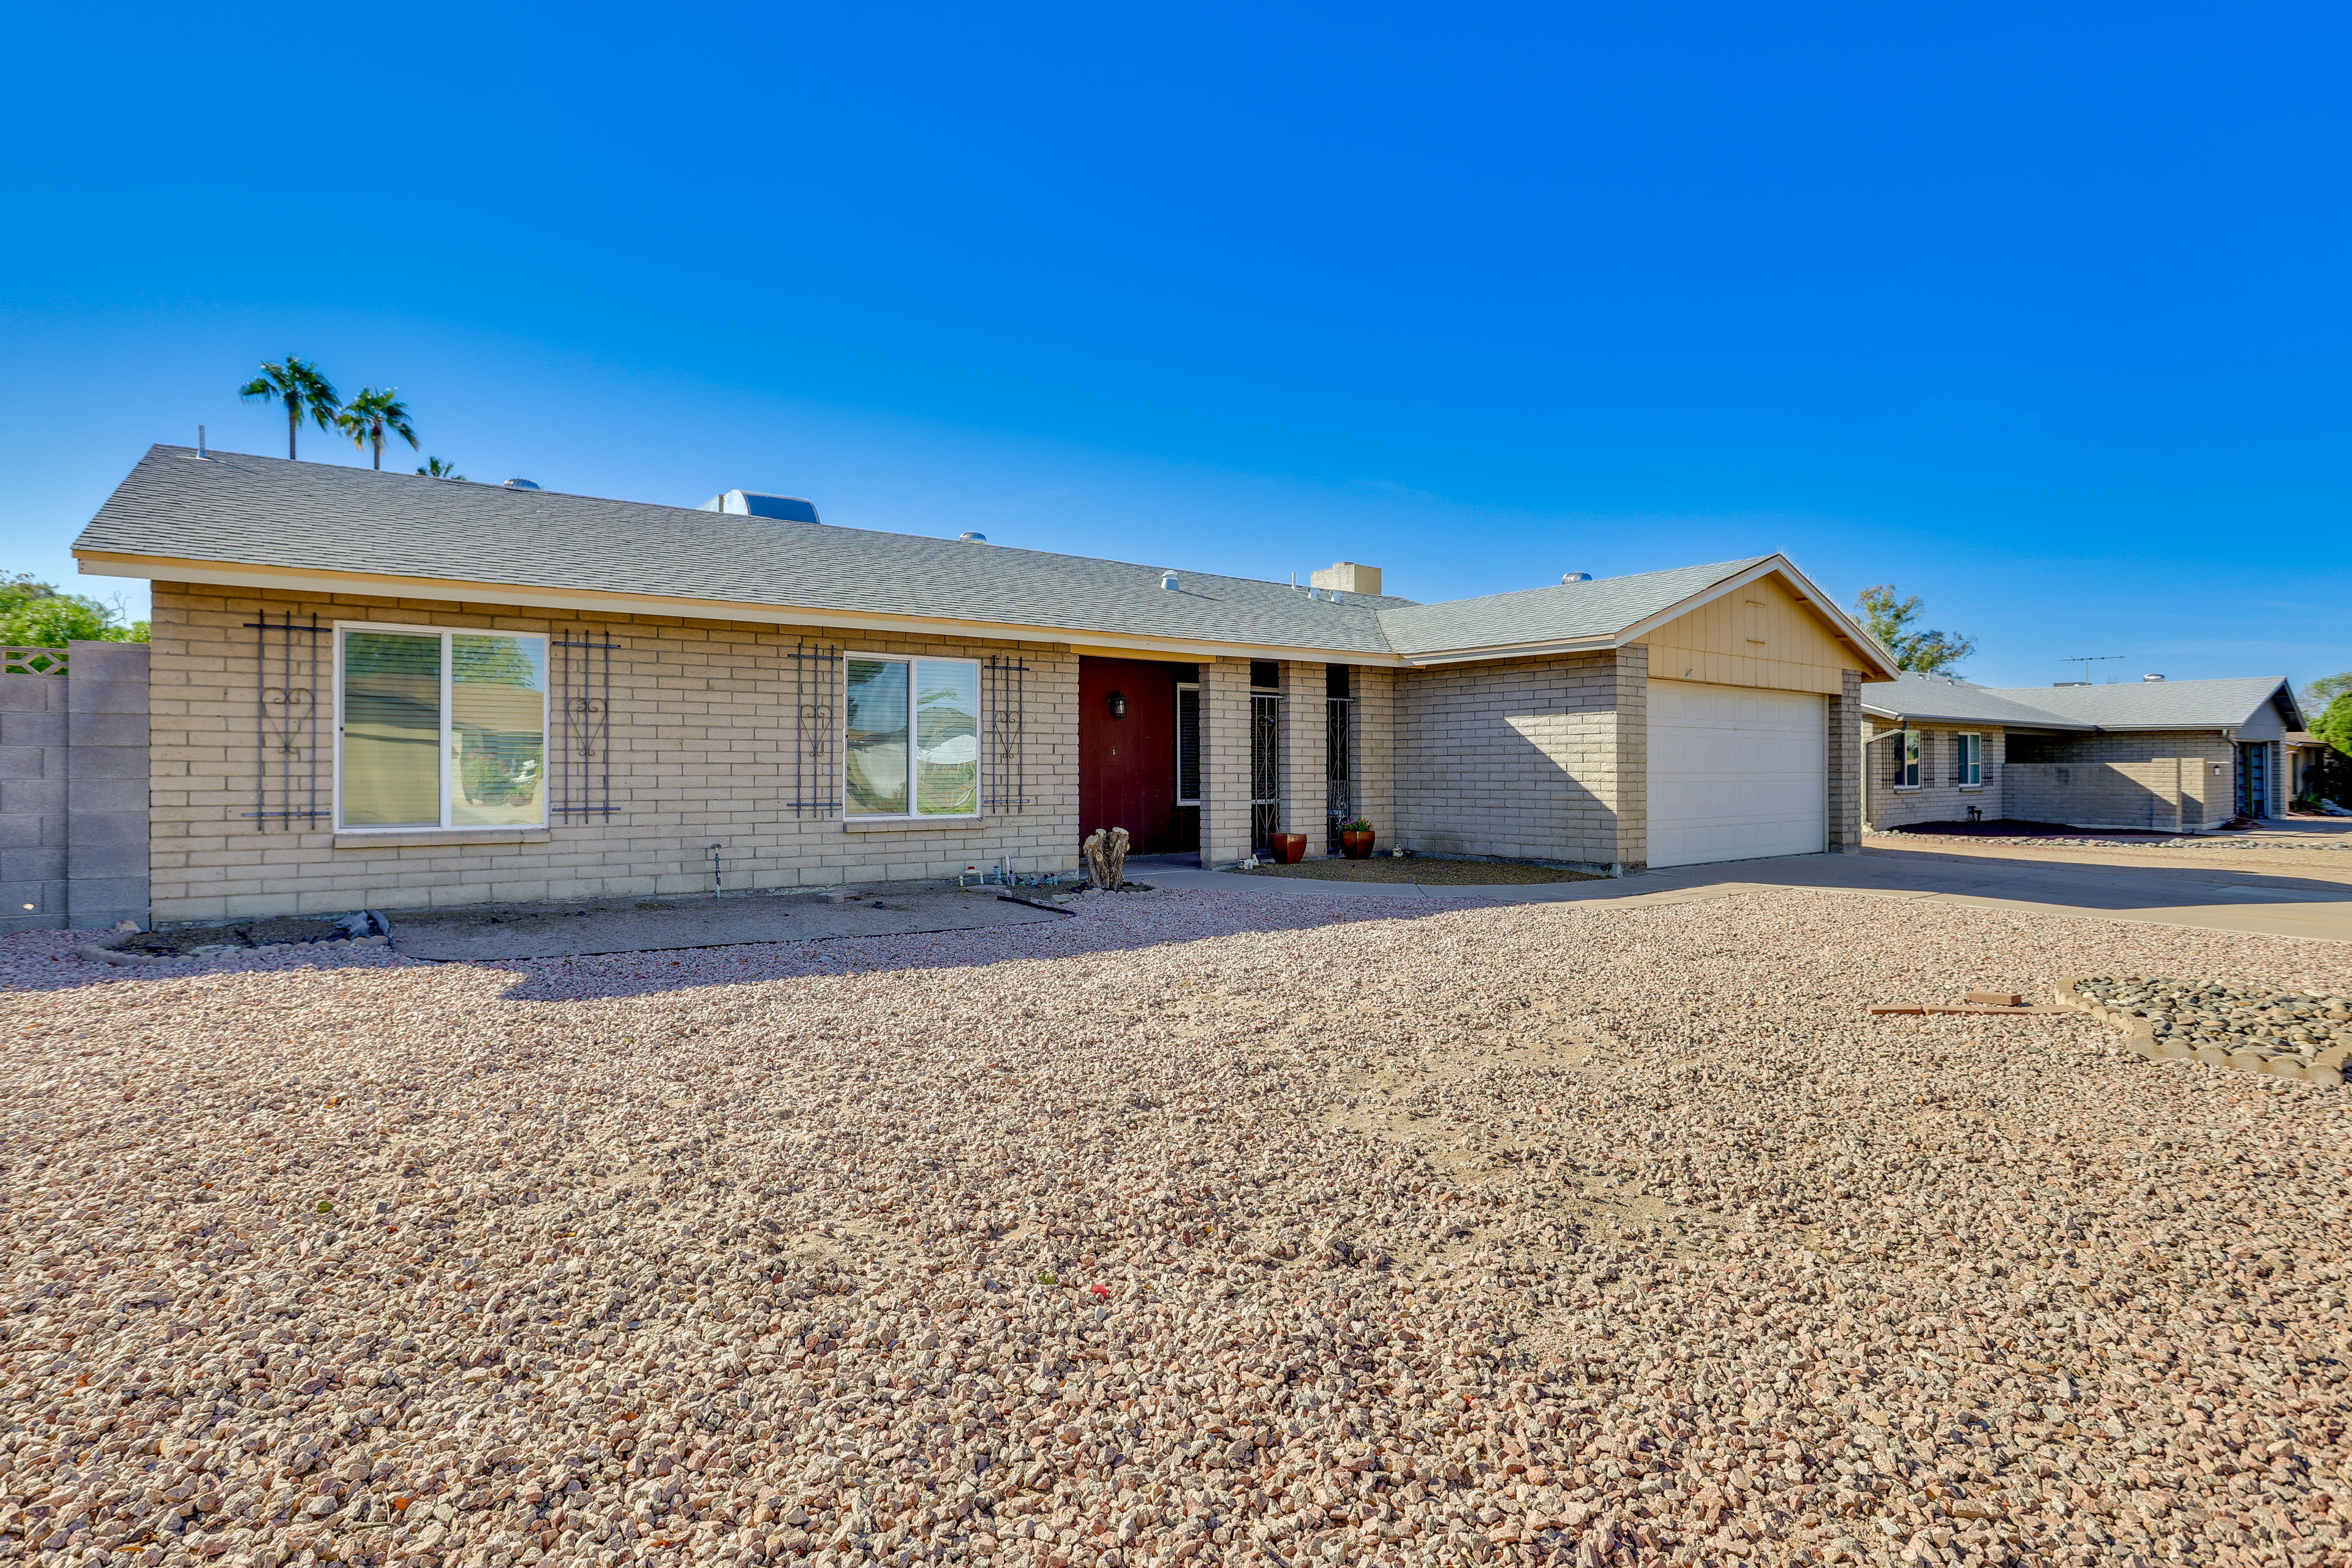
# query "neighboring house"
(2312, 768)
(383, 689)
(2171, 756)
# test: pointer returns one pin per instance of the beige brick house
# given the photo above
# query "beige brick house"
(389, 691)
(2166, 755)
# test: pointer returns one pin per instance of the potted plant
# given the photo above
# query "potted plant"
(1356, 839)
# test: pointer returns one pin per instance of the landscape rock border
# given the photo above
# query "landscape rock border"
(107, 951)
(2324, 1071)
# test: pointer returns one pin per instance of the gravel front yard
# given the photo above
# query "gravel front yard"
(1201, 1227)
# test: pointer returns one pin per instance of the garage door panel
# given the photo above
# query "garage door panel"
(1735, 773)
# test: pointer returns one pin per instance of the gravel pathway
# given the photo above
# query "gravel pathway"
(1204, 1228)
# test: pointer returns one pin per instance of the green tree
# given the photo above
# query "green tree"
(371, 416)
(2335, 725)
(299, 385)
(36, 614)
(1889, 619)
(434, 468)
(2320, 693)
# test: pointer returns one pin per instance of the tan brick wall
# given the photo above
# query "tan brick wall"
(1305, 696)
(703, 743)
(1537, 758)
(1940, 797)
(2129, 781)
(1847, 728)
(1224, 762)
(1374, 723)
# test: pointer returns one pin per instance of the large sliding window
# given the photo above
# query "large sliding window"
(440, 729)
(913, 737)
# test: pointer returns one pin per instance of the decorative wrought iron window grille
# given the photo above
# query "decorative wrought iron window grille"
(1338, 768)
(816, 706)
(287, 722)
(1266, 770)
(1006, 684)
(583, 698)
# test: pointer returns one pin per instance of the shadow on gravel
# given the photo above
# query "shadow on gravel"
(43, 961)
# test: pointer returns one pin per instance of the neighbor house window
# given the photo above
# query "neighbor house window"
(913, 741)
(1907, 760)
(440, 729)
(1188, 744)
(1969, 761)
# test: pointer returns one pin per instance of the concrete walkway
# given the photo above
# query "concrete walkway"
(2210, 898)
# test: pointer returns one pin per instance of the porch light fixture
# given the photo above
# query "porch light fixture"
(1119, 704)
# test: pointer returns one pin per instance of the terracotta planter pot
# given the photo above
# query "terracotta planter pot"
(1289, 848)
(1355, 844)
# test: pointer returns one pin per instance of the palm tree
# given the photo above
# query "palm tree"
(301, 388)
(436, 468)
(367, 417)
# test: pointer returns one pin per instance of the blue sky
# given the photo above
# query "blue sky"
(2037, 311)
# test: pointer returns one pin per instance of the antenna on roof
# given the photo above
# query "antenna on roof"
(2087, 660)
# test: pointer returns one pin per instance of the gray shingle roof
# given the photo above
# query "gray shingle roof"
(2221, 704)
(1943, 698)
(242, 511)
(1565, 612)
(267, 511)
(2157, 704)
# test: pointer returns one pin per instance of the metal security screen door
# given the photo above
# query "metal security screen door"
(1266, 770)
(1338, 767)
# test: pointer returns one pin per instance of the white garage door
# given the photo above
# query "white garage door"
(1735, 773)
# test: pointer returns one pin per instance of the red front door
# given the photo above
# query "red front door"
(1127, 763)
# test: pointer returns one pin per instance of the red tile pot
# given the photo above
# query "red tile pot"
(1355, 844)
(1289, 848)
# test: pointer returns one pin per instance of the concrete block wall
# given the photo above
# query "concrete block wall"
(704, 744)
(1940, 796)
(1224, 762)
(1305, 740)
(1540, 759)
(74, 791)
(2126, 780)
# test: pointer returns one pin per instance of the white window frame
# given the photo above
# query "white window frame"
(1909, 744)
(344, 629)
(1971, 759)
(1183, 686)
(914, 812)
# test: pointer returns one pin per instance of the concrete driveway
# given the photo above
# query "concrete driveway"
(2269, 895)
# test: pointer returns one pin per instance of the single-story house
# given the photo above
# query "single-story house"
(390, 690)
(2171, 756)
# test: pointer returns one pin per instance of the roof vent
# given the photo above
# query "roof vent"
(1347, 577)
(966, 537)
(1576, 576)
(1168, 581)
(752, 503)
(2151, 677)
(520, 485)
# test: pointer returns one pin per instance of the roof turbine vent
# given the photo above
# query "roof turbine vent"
(1168, 581)
(1576, 576)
